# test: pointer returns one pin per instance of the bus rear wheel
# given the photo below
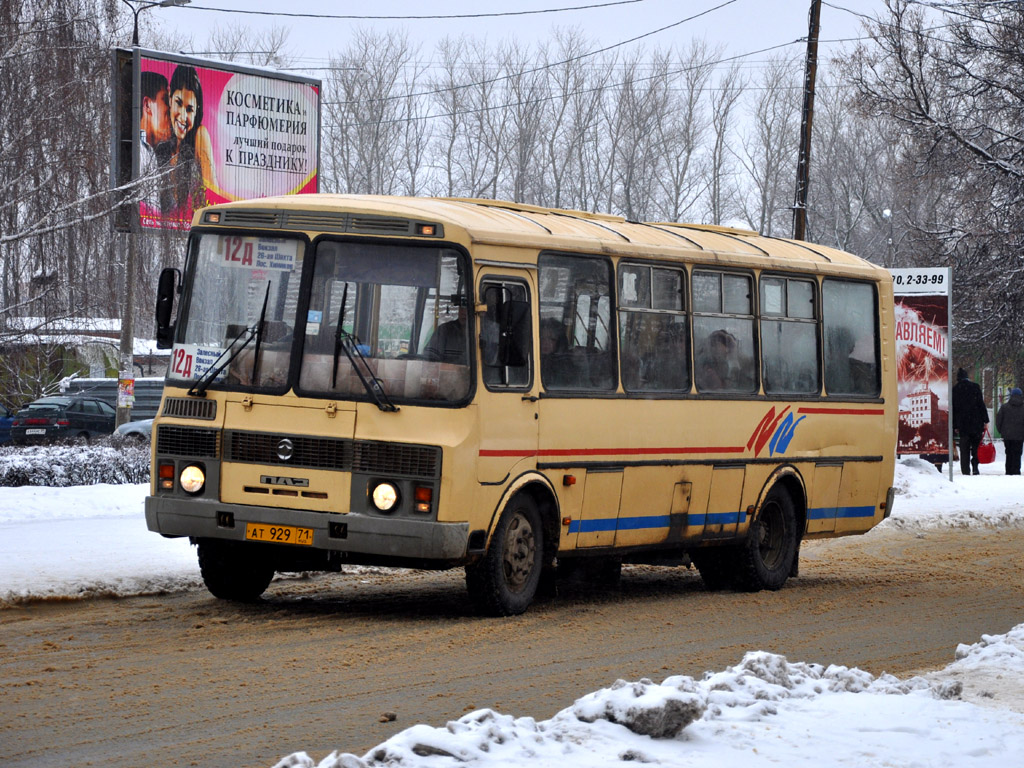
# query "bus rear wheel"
(230, 571)
(504, 582)
(766, 557)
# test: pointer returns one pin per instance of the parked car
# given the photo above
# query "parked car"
(141, 430)
(6, 418)
(52, 419)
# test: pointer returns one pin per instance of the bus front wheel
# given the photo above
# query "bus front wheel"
(231, 572)
(766, 557)
(504, 582)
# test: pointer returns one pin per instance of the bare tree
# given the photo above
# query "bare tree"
(720, 178)
(951, 77)
(683, 133)
(367, 112)
(769, 149)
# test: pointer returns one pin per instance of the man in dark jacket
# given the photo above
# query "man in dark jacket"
(969, 419)
(1010, 423)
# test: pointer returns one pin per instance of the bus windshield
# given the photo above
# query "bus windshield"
(404, 311)
(238, 281)
(404, 330)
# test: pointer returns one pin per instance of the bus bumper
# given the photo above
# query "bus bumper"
(385, 536)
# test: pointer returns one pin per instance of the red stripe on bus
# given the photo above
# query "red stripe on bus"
(845, 411)
(610, 451)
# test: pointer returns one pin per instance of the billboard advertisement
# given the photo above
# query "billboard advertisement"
(203, 132)
(922, 308)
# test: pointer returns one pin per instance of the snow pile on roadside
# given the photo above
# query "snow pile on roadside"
(926, 499)
(763, 711)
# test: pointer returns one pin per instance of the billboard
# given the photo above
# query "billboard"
(922, 308)
(199, 132)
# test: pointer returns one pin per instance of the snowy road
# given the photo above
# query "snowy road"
(181, 678)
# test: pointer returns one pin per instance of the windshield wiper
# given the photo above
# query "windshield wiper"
(259, 336)
(349, 344)
(203, 382)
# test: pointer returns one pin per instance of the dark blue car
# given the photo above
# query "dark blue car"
(51, 419)
(6, 418)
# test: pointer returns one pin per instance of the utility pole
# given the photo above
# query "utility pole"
(804, 159)
(126, 348)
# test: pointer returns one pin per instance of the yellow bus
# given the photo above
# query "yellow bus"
(519, 391)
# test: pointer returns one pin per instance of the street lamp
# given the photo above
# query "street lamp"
(887, 215)
(143, 5)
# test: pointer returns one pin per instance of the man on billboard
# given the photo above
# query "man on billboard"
(154, 127)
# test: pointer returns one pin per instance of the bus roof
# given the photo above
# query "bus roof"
(506, 223)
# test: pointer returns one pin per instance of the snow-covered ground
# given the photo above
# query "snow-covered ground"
(766, 710)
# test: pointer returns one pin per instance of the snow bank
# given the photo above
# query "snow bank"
(763, 711)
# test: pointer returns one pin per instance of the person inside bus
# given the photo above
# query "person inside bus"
(556, 366)
(449, 342)
(717, 362)
(668, 370)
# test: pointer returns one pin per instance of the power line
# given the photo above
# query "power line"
(545, 66)
(540, 100)
(423, 17)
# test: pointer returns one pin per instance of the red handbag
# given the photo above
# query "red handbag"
(987, 449)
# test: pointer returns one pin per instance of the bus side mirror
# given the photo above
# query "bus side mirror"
(165, 290)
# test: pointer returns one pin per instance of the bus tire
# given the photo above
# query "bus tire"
(504, 582)
(766, 557)
(231, 572)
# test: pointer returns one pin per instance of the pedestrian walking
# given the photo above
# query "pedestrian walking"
(1010, 423)
(969, 419)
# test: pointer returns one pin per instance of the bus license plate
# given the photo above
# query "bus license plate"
(279, 534)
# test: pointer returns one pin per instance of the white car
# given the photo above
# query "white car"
(136, 430)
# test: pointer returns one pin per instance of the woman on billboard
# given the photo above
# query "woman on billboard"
(189, 151)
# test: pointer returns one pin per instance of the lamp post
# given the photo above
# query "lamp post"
(887, 215)
(126, 348)
(142, 5)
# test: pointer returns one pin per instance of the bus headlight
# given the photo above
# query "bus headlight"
(192, 479)
(384, 496)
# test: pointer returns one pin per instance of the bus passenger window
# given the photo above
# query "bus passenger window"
(575, 295)
(653, 331)
(851, 338)
(723, 333)
(789, 337)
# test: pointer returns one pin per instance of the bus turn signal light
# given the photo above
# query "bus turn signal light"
(424, 495)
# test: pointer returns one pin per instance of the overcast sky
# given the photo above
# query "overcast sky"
(741, 26)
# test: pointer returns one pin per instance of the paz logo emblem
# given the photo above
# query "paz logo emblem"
(285, 449)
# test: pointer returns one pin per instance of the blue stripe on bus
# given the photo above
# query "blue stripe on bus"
(619, 524)
(650, 522)
(824, 513)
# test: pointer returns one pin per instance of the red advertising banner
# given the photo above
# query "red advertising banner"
(209, 132)
(922, 354)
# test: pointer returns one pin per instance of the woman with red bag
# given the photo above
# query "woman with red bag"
(1010, 423)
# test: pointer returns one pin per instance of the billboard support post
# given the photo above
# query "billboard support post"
(127, 344)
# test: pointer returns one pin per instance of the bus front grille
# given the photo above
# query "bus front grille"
(362, 456)
(187, 441)
(190, 408)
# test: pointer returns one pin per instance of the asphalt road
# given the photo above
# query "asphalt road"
(325, 663)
